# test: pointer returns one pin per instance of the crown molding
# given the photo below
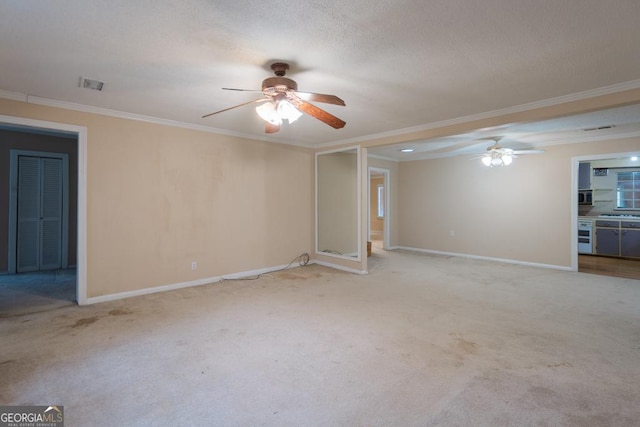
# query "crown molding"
(29, 99)
(578, 96)
(133, 116)
(599, 138)
(14, 96)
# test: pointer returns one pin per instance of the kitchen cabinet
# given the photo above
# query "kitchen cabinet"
(608, 241)
(630, 239)
(618, 238)
(584, 176)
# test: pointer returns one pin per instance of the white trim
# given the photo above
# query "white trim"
(14, 96)
(81, 249)
(182, 285)
(578, 96)
(484, 258)
(575, 166)
(339, 267)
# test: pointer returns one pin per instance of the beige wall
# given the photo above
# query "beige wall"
(160, 197)
(521, 212)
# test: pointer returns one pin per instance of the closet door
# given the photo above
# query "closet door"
(39, 227)
(50, 214)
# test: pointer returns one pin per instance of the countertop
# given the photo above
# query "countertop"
(611, 217)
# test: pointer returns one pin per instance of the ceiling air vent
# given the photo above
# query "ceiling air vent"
(90, 84)
(599, 128)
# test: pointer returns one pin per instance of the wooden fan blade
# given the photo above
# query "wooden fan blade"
(271, 128)
(242, 90)
(320, 114)
(321, 97)
(236, 106)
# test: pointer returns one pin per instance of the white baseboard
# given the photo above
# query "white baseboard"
(484, 258)
(339, 267)
(174, 286)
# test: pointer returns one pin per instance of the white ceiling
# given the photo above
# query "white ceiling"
(398, 64)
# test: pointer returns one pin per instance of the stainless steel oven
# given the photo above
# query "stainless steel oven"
(585, 236)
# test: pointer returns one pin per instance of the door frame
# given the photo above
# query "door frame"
(575, 164)
(13, 204)
(385, 221)
(81, 134)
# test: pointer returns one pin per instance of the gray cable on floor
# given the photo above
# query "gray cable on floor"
(302, 260)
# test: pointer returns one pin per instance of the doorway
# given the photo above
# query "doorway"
(595, 201)
(37, 149)
(378, 208)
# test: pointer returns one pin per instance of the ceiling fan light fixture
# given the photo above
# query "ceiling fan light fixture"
(269, 113)
(496, 158)
(288, 112)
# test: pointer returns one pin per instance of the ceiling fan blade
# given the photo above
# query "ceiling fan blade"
(320, 114)
(528, 151)
(236, 106)
(242, 90)
(320, 97)
(271, 128)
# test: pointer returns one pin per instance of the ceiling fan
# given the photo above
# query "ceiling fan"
(282, 101)
(497, 155)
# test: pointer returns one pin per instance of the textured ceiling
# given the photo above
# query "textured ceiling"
(396, 63)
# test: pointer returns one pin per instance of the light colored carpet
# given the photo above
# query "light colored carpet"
(422, 340)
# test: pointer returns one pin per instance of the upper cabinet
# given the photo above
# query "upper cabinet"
(584, 176)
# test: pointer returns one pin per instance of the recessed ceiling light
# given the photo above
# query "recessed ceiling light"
(90, 84)
(407, 150)
(634, 158)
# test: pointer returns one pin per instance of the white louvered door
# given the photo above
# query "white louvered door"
(39, 231)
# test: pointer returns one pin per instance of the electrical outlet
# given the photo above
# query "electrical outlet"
(194, 265)
(452, 233)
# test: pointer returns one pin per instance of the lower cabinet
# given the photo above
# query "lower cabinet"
(618, 238)
(630, 243)
(608, 241)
